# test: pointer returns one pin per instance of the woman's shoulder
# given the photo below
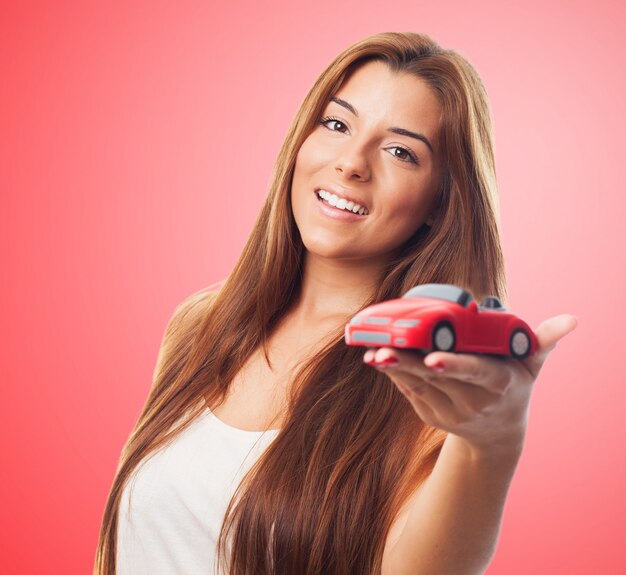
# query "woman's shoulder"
(183, 325)
(198, 300)
(190, 311)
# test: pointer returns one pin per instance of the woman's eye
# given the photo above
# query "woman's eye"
(405, 156)
(327, 120)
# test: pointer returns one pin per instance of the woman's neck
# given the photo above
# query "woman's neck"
(333, 289)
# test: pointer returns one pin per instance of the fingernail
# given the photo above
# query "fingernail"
(437, 366)
(388, 362)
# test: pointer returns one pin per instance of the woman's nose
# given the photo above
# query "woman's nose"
(353, 161)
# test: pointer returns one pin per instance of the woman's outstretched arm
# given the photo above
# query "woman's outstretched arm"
(453, 521)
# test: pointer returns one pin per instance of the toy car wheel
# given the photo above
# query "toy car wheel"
(519, 344)
(444, 337)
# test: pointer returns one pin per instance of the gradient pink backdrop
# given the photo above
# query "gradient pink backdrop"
(137, 144)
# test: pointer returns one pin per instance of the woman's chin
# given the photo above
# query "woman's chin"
(332, 251)
(344, 253)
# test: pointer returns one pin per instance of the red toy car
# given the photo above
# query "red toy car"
(442, 317)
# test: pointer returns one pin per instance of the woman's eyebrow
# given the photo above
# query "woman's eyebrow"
(400, 131)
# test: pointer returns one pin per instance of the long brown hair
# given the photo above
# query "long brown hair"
(323, 495)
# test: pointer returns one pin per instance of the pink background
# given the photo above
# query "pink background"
(137, 144)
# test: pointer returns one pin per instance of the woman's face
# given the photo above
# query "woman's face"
(365, 155)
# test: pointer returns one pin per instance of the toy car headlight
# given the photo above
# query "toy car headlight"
(406, 322)
(355, 319)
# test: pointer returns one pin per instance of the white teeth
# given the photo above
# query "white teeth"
(342, 203)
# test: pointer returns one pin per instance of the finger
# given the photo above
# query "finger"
(410, 359)
(466, 400)
(549, 333)
(449, 398)
(417, 388)
(404, 369)
(369, 355)
(425, 412)
(480, 371)
(490, 373)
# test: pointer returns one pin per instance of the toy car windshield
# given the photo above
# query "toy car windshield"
(493, 303)
(441, 291)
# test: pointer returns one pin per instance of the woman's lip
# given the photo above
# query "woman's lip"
(336, 213)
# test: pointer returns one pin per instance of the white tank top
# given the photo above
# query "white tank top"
(178, 498)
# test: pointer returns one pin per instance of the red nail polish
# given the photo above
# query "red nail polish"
(437, 366)
(389, 361)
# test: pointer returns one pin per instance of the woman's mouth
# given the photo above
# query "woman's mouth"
(340, 204)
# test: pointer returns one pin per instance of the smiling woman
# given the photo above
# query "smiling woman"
(268, 446)
(392, 172)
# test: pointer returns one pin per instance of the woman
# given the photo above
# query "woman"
(340, 460)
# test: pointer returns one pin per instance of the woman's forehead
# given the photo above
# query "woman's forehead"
(376, 95)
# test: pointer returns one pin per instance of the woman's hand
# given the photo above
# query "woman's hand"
(483, 399)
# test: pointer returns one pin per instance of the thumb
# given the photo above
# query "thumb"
(549, 333)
